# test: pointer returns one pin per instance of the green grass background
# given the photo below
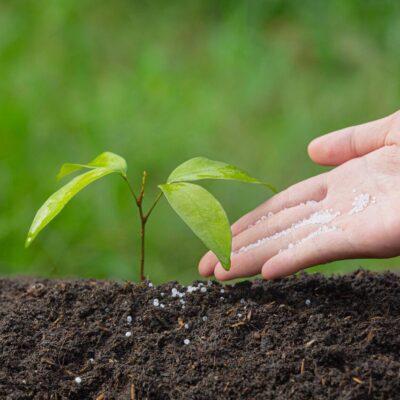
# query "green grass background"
(249, 83)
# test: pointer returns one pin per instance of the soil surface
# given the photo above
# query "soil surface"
(306, 337)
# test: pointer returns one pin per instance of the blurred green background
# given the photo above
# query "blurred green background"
(249, 83)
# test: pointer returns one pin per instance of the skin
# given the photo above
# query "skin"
(366, 158)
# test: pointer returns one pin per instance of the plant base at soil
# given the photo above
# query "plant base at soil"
(295, 338)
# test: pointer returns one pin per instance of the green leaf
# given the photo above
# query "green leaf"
(202, 168)
(108, 160)
(204, 215)
(105, 164)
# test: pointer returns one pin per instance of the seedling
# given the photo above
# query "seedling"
(198, 208)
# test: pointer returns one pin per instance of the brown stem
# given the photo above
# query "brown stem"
(143, 218)
(131, 190)
(153, 206)
(142, 238)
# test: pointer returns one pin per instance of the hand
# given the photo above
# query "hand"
(352, 211)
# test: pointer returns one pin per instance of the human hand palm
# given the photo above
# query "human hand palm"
(317, 221)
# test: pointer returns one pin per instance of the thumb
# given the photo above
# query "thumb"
(340, 146)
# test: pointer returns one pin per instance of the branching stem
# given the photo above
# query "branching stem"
(143, 217)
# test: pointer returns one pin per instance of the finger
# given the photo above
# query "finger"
(250, 262)
(207, 264)
(311, 189)
(316, 249)
(337, 147)
(276, 223)
(279, 224)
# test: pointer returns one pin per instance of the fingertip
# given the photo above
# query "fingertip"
(317, 150)
(222, 274)
(268, 273)
(311, 148)
(207, 264)
(277, 266)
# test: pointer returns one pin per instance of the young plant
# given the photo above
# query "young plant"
(196, 206)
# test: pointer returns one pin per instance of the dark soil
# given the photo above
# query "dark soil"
(306, 337)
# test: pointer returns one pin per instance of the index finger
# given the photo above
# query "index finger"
(312, 189)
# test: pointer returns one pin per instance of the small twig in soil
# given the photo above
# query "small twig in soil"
(249, 315)
(370, 385)
(302, 366)
(375, 318)
(356, 380)
(133, 392)
(68, 372)
(370, 336)
(102, 328)
(230, 311)
(84, 369)
(238, 324)
(309, 343)
(48, 361)
(181, 323)
(269, 305)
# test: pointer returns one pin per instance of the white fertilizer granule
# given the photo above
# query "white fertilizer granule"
(186, 341)
(318, 218)
(128, 334)
(360, 203)
(319, 231)
(78, 380)
(270, 214)
(156, 302)
(129, 319)
(263, 218)
(191, 289)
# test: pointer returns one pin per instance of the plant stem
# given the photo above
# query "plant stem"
(130, 189)
(142, 248)
(154, 205)
(143, 218)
